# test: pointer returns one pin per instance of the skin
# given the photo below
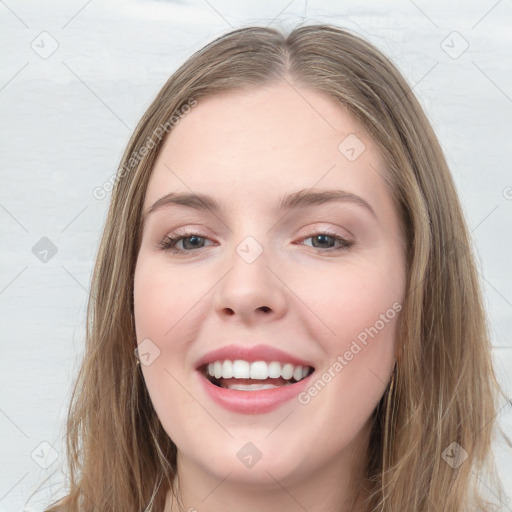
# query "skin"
(247, 149)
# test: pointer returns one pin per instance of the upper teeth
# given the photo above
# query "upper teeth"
(259, 370)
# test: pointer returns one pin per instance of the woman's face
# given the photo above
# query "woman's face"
(316, 281)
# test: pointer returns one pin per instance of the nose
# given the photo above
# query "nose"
(251, 291)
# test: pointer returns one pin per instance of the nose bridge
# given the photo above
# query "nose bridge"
(251, 240)
(249, 250)
(249, 264)
(250, 287)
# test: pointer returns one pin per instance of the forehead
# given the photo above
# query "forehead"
(248, 146)
(276, 116)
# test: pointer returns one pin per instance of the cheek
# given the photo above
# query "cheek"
(159, 305)
(359, 308)
(168, 311)
(162, 299)
(347, 300)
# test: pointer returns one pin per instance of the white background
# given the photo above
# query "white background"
(66, 120)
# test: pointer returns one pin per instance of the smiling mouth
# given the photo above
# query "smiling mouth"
(245, 376)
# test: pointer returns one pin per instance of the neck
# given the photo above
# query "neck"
(335, 487)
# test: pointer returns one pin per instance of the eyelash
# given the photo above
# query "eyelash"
(168, 243)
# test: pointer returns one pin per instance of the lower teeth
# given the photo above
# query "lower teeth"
(253, 387)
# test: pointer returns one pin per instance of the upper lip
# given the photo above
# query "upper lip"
(250, 354)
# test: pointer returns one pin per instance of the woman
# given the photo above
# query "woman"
(351, 373)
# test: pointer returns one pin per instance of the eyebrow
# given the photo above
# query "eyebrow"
(300, 199)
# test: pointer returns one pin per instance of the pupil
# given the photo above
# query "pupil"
(191, 246)
(321, 237)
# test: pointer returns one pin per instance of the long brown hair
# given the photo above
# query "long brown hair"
(443, 400)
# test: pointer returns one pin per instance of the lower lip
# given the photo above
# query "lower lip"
(252, 402)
